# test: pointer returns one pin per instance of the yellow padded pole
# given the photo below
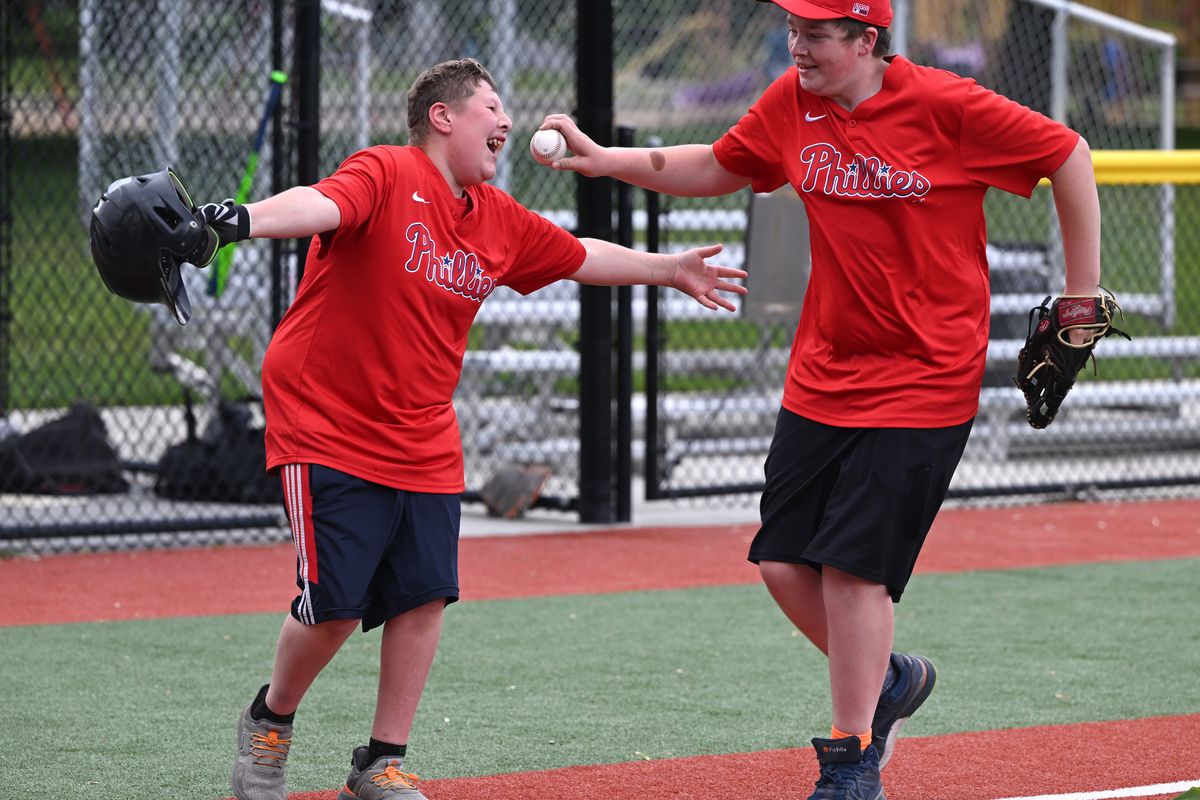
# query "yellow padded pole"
(1145, 166)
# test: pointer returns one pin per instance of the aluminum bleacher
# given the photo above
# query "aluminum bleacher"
(699, 422)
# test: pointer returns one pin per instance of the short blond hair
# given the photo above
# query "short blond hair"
(449, 82)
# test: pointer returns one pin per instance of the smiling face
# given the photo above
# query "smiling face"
(830, 64)
(478, 130)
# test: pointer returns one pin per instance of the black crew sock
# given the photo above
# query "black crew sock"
(377, 750)
(260, 711)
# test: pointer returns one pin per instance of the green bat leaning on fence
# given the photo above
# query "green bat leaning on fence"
(219, 277)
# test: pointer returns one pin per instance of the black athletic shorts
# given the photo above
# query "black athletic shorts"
(858, 499)
(366, 551)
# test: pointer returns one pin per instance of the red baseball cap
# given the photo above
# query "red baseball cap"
(874, 12)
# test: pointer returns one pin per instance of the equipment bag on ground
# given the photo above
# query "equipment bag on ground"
(68, 455)
(228, 463)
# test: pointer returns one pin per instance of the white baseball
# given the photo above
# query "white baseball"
(547, 146)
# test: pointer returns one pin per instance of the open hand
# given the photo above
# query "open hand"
(695, 277)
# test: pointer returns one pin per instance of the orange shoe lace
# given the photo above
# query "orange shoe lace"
(392, 778)
(269, 750)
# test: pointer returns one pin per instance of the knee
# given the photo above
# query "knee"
(769, 571)
(779, 574)
(424, 616)
(432, 609)
(335, 629)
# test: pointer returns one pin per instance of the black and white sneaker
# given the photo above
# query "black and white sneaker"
(915, 677)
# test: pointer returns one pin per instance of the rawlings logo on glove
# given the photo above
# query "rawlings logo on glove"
(1051, 358)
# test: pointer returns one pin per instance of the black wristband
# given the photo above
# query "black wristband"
(243, 221)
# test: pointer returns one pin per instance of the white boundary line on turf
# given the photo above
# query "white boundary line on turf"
(1136, 791)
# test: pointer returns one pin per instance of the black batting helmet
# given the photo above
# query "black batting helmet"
(143, 228)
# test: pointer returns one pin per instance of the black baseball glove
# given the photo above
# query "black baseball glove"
(1050, 360)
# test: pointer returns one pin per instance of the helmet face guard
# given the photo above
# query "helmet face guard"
(143, 230)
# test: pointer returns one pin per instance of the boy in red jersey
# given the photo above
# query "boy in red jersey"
(357, 388)
(892, 161)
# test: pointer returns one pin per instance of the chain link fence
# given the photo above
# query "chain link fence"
(99, 89)
(118, 421)
(1109, 79)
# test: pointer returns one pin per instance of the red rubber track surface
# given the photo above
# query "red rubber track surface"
(967, 766)
(231, 580)
(1087, 757)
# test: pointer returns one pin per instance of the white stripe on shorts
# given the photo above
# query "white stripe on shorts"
(294, 496)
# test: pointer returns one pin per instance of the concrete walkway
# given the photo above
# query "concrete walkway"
(646, 514)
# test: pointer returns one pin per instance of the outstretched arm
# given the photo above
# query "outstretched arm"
(291, 214)
(609, 264)
(686, 170)
(1078, 205)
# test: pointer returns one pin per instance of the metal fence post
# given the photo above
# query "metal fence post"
(5, 214)
(278, 174)
(308, 126)
(594, 89)
(655, 341)
(624, 441)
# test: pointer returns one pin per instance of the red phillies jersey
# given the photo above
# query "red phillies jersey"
(895, 321)
(361, 372)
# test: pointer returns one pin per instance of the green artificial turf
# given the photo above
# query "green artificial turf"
(548, 682)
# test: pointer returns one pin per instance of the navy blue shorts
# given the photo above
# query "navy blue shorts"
(858, 499)
(366, 551)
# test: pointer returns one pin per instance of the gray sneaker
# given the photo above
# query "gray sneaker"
(382, 780)
(260, 769)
